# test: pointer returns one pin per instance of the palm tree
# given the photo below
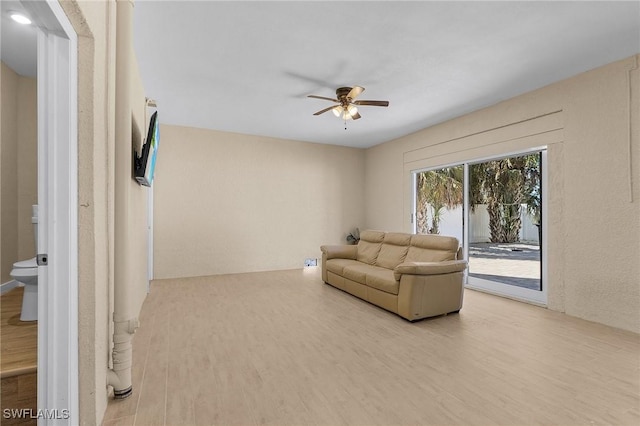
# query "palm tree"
(437, 189)
(504, 185)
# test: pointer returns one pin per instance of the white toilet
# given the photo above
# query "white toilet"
(26, 272)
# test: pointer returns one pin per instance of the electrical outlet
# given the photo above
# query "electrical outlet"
(311, 262)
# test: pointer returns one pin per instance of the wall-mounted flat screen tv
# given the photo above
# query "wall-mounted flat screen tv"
(145, 164)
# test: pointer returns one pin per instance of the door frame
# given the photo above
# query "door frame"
(57, 82)
(538, 297)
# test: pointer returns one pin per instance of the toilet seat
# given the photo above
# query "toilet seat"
(24, 264)
(25, 269)
(19, 273)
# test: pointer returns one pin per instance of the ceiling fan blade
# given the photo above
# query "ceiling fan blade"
(372, 103)
(322, 97)
(355, 92)
(356, 116)
(322, 111)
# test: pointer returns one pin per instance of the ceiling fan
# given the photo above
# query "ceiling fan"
(346, 108)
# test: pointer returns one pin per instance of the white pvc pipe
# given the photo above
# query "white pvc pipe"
(125, 321)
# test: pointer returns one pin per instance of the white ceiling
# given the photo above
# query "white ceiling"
(247, 67)
(18, 43)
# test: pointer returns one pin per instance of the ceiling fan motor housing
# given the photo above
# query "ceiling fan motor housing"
(342, 92)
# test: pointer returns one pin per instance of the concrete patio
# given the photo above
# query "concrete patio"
(509, 263)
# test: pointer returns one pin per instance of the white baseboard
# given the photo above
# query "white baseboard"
(8, 286)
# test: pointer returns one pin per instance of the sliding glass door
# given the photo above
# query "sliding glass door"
(505, 226)
(495, 208)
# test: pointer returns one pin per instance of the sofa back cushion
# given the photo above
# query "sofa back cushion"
(393, 250)
(432, 248)
(369, 246)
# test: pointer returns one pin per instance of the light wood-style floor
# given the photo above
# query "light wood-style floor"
(19, 339)
(282, 348)
(19, 362)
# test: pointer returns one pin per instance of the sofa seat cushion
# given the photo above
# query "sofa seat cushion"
(357, 273)
(383, 280)
(372, 276)
(337, 265)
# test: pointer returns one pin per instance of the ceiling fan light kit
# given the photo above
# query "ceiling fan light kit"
(346, 108)
(347, 113)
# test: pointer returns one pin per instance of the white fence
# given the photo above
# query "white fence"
(451, 224)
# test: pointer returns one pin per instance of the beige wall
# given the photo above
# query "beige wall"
(27, 164)
(138, 242)
(594, 225)
(8, 172)
(19, 168)
(95, 198)
(227, 203)
(95, 23)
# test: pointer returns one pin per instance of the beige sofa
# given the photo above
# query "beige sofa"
(414, 276)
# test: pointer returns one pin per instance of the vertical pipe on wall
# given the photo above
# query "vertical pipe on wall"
(125, 323)
(630, 130)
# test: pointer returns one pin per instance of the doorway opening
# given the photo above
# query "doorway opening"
(57, 218)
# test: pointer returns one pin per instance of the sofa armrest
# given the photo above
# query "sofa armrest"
(339, 252)
(429, 268)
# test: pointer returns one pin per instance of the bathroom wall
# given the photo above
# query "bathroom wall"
(27, 164)
(18, 153)
(9, 172)
(593, 177)
(229, 203)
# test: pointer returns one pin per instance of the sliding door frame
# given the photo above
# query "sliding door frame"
(538, 297)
